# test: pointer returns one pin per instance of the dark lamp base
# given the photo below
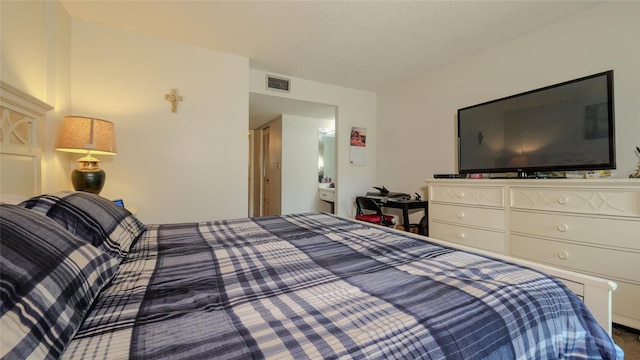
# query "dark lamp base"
(88, 180)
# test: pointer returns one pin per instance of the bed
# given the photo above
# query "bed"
(83, 278)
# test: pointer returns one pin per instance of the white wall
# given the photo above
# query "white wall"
(300, 163)
(200, 152)
(418, 117)
(355, 108)
(24, 46)
(173, 167)
(35, 58)
(196, 156)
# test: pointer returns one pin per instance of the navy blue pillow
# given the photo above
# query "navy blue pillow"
(50, 279)
(92, 218)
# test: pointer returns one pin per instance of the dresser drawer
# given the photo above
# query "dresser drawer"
(473, 216)
(612, 232)
(620, 202)
(604, 262)
(476, 195)
(481, 239)
(326, 195)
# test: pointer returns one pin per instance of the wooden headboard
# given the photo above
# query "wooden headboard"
(20, 160)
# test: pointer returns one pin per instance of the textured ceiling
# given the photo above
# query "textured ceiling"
(366, 45)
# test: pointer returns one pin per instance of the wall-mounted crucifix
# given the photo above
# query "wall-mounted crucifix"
(173, 98)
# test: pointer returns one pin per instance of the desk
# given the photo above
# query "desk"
(405, 205)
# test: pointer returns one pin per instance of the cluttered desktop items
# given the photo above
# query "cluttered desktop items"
(384, 194)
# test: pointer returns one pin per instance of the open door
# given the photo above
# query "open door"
(266, 174)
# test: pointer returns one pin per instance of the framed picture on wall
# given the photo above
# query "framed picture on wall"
(358, 146)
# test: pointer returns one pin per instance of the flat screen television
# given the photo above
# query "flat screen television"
(558, 128)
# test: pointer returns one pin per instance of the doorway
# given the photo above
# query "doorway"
(264, 109)
(266, 174)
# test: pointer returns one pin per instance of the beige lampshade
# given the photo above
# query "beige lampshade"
(86, 135)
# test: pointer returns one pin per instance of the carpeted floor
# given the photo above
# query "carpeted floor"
(628, 341)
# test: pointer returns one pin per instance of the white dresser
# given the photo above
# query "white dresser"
(468, 215)
(589, 226)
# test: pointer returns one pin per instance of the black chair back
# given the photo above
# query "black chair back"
(365, 203)
(371, 205)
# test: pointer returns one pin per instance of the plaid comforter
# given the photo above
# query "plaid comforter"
(319, 286)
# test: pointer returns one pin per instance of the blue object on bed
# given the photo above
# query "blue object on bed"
(319, 286)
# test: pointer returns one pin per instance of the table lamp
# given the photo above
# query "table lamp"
(87, 136)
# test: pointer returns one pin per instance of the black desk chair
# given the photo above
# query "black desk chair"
(373, 212)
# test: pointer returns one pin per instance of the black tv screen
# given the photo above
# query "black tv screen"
(563, 127)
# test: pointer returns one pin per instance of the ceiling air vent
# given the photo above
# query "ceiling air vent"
(278, 84)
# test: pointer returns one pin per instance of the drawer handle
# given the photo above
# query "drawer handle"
(563, 255)
(563, 228)
(563, 200)
(460, 215)
(461, 235)
(460, 195)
